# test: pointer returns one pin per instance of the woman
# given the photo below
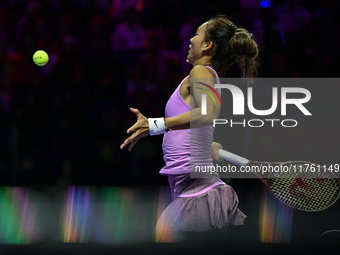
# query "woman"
(199, 204)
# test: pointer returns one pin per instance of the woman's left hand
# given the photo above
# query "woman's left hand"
(139, 130)
(215, 151)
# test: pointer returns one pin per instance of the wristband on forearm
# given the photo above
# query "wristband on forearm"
(157, 126)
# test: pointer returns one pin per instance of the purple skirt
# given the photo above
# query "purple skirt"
(201, 204)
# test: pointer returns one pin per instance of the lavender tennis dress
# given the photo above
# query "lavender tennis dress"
(199, 204)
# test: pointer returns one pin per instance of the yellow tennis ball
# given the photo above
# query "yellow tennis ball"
(40, 58)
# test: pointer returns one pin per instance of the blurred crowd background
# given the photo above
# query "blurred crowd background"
(62, 124)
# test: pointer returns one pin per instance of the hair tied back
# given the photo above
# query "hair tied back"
(249, 34)
(232, 25)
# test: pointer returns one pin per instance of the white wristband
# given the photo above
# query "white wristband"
(156, 126)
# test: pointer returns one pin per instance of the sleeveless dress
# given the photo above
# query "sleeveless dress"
(199, 204)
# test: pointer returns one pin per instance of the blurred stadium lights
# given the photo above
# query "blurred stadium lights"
(266, 3)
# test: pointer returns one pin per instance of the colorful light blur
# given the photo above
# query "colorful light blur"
(275, 221)
(17, 216)
(112, 215)
(163, 230)
(113, 206)
(77, 215)
(266, 3)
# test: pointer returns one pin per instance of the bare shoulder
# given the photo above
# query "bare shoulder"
(200, 71)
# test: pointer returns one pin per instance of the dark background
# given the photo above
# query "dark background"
(62, 124)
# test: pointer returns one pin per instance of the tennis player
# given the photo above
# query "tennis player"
(199, 204)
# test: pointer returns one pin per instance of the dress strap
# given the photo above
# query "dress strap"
(218, 78)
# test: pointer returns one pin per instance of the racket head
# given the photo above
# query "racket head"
(303, 188)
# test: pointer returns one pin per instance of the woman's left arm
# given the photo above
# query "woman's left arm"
(201, 82)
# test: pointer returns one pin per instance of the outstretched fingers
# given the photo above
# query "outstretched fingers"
(137, 131)
(133, 143)
(134, 127)
(135, 111)
(132, 140)
(128, 140)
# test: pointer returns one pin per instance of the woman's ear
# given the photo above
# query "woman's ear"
(208, 45)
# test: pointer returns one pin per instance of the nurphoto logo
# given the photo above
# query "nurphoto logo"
(239, 105)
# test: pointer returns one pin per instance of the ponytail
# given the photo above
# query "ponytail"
(245, 50)
(232, 45)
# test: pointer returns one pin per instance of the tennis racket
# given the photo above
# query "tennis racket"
(300, 185)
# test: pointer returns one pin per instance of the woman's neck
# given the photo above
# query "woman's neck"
(204, 60)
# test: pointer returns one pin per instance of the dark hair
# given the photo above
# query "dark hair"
(232, 45)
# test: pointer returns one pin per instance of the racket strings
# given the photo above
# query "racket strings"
(309, 191)
(304, 199)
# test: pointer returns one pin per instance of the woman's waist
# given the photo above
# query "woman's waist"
(197, 152)
(196, 138)
(195, 159)
(184, 185)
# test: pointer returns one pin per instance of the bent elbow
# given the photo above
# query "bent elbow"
(210, 117)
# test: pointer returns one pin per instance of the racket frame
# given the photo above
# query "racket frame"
(266, 181)
(300, 162)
